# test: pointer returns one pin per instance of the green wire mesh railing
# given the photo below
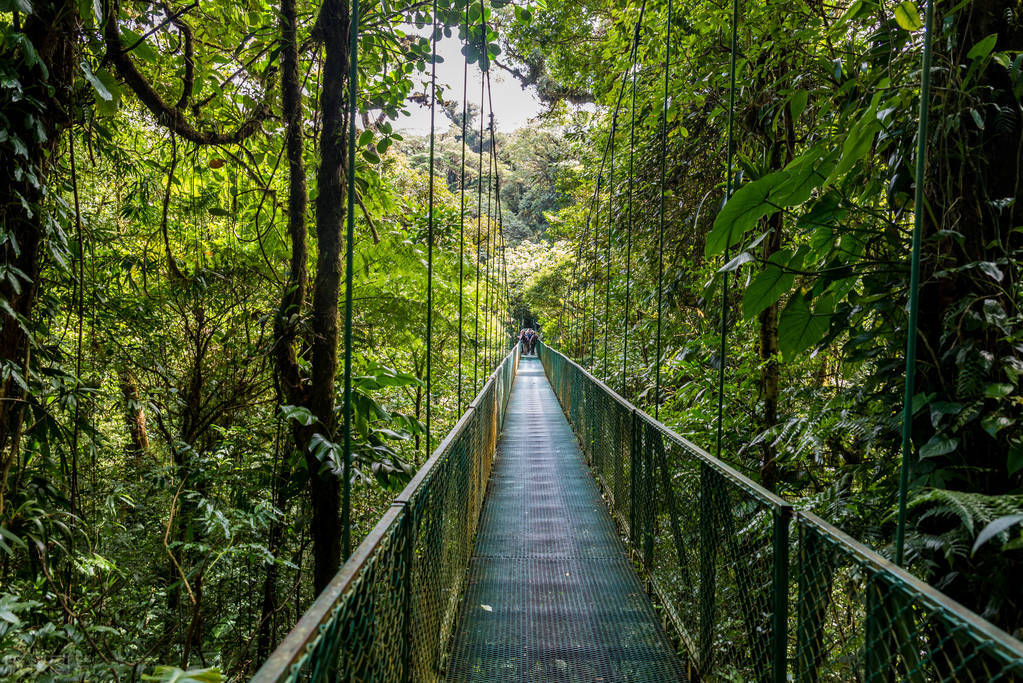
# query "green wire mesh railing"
(753, 589)
(389, 613)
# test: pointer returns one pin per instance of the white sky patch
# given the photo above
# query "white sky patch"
(513, 106)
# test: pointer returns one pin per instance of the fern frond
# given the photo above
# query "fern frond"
(973, 510)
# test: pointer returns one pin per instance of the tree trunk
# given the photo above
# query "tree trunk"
(324, 489)
(780, 150)
(45, 97)
(134, 419)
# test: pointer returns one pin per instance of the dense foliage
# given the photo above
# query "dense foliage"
(171, 450)
(171, 229)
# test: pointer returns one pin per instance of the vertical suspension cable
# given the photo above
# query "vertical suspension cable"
(353, 89)
(479, 212)
(660, 221)
(728, 193)
(610, 218)
(914, 284)
(581, 290)
(429, 233)
(487, 303)
(610, 228)
(461, 214)
(506, 298)
(595, 208)
(628, 239)
(497, 263)
(79, 303)
(499, 296)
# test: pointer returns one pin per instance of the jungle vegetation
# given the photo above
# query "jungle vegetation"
(171, 229)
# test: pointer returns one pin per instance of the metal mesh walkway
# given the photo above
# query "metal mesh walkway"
(551, 594)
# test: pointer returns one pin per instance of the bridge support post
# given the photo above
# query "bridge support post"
(405, 588)
(635, 469)
(780, 552)
(646, 438)
(708, 562)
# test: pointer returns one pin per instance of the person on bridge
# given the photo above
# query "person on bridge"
(528, 338)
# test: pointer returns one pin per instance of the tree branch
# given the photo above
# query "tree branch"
(167, 115)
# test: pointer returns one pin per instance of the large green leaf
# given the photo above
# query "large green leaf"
(98, 85)
(939, 444)
(858, 141)
(907, 16)
(983, 48)
(747, 206)
(769, 284)
(804, 174)
(799, 327)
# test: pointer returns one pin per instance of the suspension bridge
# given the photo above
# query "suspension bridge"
(560, 533)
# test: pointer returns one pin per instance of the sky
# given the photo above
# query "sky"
(513, 106)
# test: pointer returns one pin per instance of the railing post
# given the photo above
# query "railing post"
(635, 524)
(780, 552)
(708, 560)
(407, 555)
(872, 666)
(646, 438)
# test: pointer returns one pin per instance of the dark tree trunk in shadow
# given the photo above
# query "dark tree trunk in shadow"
(44, 98)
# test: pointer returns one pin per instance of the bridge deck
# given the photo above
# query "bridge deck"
(551, 594)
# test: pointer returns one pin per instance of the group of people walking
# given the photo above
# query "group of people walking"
(528, 338)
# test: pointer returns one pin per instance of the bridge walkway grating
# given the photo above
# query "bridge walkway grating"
(551, 593)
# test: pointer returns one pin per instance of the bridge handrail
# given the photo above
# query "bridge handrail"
(772, 591)
(339, 632)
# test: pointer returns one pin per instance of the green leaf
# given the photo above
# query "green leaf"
(992, 424)
(328, 453)
(805, 174)
(768, 286)
(939, 444)
(797, 103)
(365, 138)
(998, 390)
(97, 84)
(747, 206)
(299, 414)
(391, 434)
(108, 107)
(858, 141)
(975, 115)
(1015, 459)
(13, 538)
(907, 16)
(143, 50)
(799, 328)
(23, 6)
(991, 270)
(216, 211)
(995, 528)
(744, 257)
(983, 47)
